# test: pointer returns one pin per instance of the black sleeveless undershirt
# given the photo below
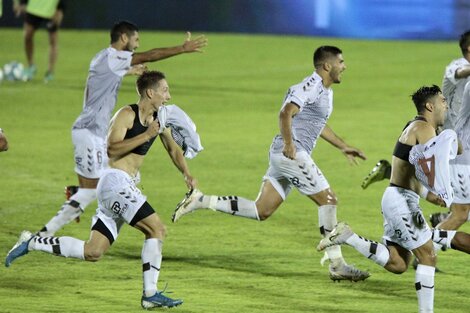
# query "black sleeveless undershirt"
(137, 129)
(402, 150)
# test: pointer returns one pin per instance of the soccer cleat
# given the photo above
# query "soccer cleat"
(70, 191)
(347, 272)
(437, 218)
(158, 300)
(48, 77)
(30, 72)
(20, 248)
(187, 205)
(338, 236)
(380, 171)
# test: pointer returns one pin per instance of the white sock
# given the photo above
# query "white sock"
(70, 210)
(232, 205)
(327, 221)
(63, 246)
(151, 263)
(443, 237)
(373, 250)
(424, 284)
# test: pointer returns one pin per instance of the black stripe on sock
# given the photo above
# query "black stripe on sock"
(74, 204)
(234, 205)
(373, 248)
(322, 230)
(56, 249)
(146, 267)
(418, 286)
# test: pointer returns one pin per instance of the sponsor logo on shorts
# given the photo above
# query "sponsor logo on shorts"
(399, 235)
(118, 208)
(296, 182)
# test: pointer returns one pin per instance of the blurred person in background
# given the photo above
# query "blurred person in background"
(37, 13)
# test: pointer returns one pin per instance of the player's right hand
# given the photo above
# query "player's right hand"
(153, 129)
(289, 151)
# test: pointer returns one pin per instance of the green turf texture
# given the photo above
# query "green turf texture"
(216, 262)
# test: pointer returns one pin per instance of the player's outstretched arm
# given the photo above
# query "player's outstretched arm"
(188, 46)
(176, 155)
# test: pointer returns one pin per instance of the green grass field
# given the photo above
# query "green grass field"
(215, 262)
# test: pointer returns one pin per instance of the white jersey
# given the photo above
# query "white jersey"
(452, 89)
(315, 106)
(183, 129)
(431, 162)
(462, 124)
(104, 79)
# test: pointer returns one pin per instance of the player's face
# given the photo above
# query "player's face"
(337, 68)
(162, 92)
(132, 42)
(440, 107)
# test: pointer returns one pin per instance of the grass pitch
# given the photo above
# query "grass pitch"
(215, 262)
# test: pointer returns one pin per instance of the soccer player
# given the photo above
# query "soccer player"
(3, 141)
(455, 88)
(37, 12)
(456, 76)
(405, 229)
(132, 132)
(302, 119)
(90, 128)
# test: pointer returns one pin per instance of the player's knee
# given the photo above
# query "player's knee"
(158, 231)
(263, 216)
(93, 254)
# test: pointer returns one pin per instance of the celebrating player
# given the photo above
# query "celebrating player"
(132, 133)
(405, 229)
(304, 113)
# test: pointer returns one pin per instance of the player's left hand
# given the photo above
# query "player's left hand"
(137, 69)
(190, 181)
(194, 45)
(352, 153)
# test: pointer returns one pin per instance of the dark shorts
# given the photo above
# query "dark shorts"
(37, 21)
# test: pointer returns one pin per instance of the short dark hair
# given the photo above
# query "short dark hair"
(464, 41)
(423, 95)
(148, 80)
(323, 53)
(122, 27)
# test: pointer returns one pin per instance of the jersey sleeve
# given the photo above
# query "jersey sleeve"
(120, 62)
(451, 69)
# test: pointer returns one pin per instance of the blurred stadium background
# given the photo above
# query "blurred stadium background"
(374, 19)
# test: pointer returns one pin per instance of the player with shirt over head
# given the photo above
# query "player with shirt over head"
(405, 229)
(132, 132)
(90, 128)
(302, 119)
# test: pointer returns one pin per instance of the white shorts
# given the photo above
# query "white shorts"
(302, 173)
(397, 204)
(460, 181)
(118, 200)
(90, 153)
